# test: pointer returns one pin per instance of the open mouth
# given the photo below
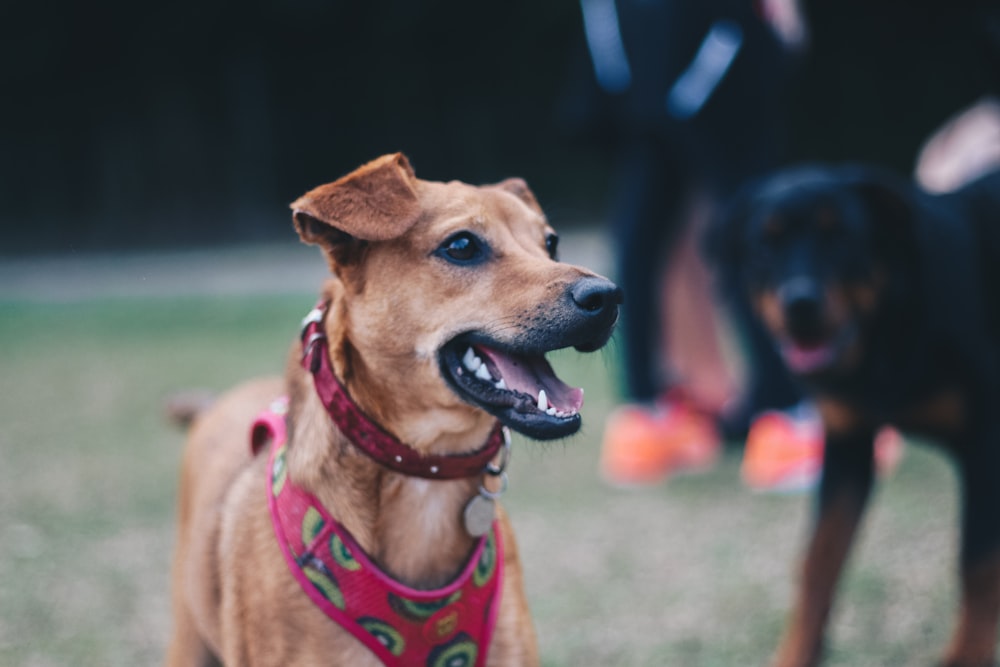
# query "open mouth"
(518, 387)
(815, 355)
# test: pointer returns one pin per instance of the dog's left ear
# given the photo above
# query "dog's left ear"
(519, 188)
(723, 241)
(375, 202)
(890, 200)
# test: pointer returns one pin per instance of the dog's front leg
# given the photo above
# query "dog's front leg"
(843, 492)
(974, 639)
(973, 643)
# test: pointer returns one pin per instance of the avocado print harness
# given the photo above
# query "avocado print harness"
(447, 627)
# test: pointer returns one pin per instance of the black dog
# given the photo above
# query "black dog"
(884, 303)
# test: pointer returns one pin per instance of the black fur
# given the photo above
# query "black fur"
(800, 239)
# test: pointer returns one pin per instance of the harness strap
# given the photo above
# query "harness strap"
(402, 626)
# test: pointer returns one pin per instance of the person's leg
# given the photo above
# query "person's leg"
(653, 434)
(694, 330)
(651, 193)
(742, 134)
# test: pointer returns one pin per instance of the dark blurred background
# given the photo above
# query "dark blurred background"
(138, 125)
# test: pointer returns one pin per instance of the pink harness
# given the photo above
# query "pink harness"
(447, 627)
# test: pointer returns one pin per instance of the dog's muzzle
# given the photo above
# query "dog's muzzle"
(801, 301)
(510, 378)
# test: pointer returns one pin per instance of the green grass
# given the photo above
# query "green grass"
(693, 572)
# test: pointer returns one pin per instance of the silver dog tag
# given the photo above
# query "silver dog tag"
(478, 515)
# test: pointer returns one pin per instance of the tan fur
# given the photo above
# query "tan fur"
(769, 309)
(974, 638)
(824, 559)
(392, 305)
(944, 414)
(839, 417)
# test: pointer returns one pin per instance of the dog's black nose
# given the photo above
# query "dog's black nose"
(802, 301)
(594, 303)
(596, 296)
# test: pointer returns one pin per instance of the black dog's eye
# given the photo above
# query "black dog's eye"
(463, 248)
(552, 245)
(772, 229)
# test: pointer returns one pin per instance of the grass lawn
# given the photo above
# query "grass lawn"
(692, 572)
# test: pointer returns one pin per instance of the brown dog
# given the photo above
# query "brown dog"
(443, 301)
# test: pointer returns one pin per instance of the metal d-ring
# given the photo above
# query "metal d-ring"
(497, 470)
(493, 495)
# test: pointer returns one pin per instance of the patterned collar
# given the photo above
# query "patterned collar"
(447, 627)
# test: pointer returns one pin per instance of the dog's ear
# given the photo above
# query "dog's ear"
(723, 242)
(519, 188)
(890, 200)
(375, 202)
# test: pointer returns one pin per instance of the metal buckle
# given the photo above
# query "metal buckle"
(315, 316)
(497, 470)
(308, 345)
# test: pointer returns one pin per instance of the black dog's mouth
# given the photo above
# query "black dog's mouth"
(518, 387)
(808, 356)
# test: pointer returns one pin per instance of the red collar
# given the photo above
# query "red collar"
(368, 436)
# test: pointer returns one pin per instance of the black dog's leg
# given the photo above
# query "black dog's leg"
(843, 493)
(973, 643)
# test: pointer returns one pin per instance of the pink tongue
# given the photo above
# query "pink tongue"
(529, 374)
(803, 358)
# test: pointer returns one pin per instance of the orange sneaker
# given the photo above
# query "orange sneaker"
(784, 451)
(646, 445)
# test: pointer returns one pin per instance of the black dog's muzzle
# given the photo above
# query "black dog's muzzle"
(801, 300)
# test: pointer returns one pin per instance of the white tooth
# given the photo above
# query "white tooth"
(483, 374)
(552, 412)
(543, 402)
(471, 361)
(501, 384)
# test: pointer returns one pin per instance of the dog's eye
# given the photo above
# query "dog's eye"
(552, 245)
(463, 248)
(827, 221)
(772, 229)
